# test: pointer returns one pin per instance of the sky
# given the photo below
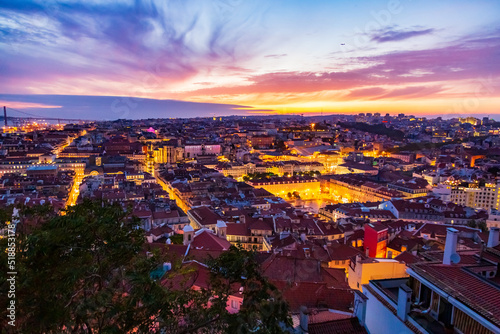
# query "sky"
(131, 59)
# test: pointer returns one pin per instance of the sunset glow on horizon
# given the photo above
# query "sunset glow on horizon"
(418, 57)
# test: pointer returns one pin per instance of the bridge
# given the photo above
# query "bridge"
(20, 117)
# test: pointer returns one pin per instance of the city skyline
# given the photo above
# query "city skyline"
(238, 57)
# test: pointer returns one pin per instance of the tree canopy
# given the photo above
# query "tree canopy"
(86, 271)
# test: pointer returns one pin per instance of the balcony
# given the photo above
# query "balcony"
(427, 322)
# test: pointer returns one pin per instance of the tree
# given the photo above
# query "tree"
(79, 272)
(280, 145)
(263, 309)
(87, 271)
(472, 223)
(482, 226)
(5, 215)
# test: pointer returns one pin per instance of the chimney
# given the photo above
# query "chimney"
(242, 219)
(404, 302)
(303, 237)
(493, 239)
(450, 247)
(304, 318)
(284, 234)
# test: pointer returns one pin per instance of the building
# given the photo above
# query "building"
(306, 187)
(192, 151)
(485, 196)
(356, 188)
(375, 241)
(493, 219)
(450, 293)
(261, 141)
(362, 271)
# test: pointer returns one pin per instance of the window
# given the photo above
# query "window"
(234, 304)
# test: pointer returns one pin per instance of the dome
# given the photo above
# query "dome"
(188, 228)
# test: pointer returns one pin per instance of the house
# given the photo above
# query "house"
(361, 270)
(455, 292)
(375, 241)
(163, 231)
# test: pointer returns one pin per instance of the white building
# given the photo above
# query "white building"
(452, 295)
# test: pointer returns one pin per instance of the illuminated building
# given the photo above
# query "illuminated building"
(192, 151)
(356, 188)
(165, 154)
(261, 141)
(476, 196)
(410, 189)
(306, 187)
(362, 271)
(375, 241)
(454, 292)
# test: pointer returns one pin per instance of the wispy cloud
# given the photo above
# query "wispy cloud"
(395, 34)
(403, 68)
(257, 53)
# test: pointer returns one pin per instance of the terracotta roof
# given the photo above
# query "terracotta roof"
(312, 294)
(280, 243)
(317, 316)
(440, 229)
(237, 229)
(258, 224)
(202, 255)
(410, 243)
(160, 230)
(291, 269)
(207, 240)
(407, 258)
(204, 215)
(165, 214)
(174, 252)
(342, 252)
(197, 276)
(477, 293)
(343, 326)
(377, 226)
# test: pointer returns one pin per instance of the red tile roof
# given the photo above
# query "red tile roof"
(407, 258)
(165, 214)
(311, 294)
(344, 326)
(475, 292)
(237, 229)
(206, 240)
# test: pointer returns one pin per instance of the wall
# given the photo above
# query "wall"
(382, 269)
(380, 320)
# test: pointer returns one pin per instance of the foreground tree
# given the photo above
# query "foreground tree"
(263, 309)
(87, 272)
(75, 272)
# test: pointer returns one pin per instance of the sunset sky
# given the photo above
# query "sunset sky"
(420, 57)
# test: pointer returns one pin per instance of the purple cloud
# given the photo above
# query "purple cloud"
(394, 35)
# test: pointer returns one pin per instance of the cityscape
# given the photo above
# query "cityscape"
(250, 167)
